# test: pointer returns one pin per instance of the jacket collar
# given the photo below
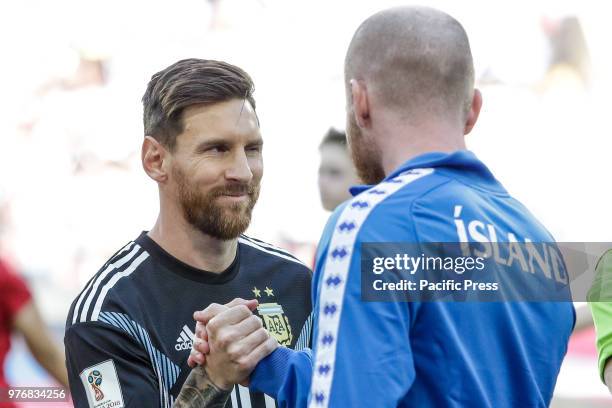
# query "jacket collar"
(463, 164)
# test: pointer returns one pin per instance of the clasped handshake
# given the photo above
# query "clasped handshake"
(229, 342)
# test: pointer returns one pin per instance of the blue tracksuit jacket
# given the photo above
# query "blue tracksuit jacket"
(422, 354)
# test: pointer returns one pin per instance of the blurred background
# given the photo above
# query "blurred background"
(72, 189)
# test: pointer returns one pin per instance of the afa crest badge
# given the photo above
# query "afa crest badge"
(276, 322)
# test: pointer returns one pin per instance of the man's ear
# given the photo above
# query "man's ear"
(474, 112)
(153, 155)
(360, 103)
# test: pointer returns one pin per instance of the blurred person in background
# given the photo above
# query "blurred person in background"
(336, 175)
(130, 331)
(600, 302)
(336, 171)
(565, 88)
(569, 64)
(19, 315)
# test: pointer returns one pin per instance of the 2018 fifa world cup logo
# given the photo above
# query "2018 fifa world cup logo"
(95, 379)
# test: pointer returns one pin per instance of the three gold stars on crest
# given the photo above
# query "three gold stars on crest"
(257, 292)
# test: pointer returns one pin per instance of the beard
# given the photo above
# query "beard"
(365, 154)
(204, 213)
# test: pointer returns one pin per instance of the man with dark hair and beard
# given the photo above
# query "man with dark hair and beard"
(130, 331)
(409, 78)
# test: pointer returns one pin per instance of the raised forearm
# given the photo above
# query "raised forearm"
(40, 342)
(53, 360)
(199, 391)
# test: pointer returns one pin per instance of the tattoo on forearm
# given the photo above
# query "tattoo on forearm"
(200, 392)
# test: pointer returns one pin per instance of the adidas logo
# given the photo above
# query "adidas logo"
(185, 340)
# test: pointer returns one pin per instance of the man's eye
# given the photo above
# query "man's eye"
(217, 149)
(255, 149)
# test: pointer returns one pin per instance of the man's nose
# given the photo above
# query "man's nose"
(239, 168)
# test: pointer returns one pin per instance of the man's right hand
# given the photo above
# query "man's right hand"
(233, 341)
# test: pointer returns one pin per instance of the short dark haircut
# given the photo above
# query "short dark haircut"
(334, 136)
(186, 83)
